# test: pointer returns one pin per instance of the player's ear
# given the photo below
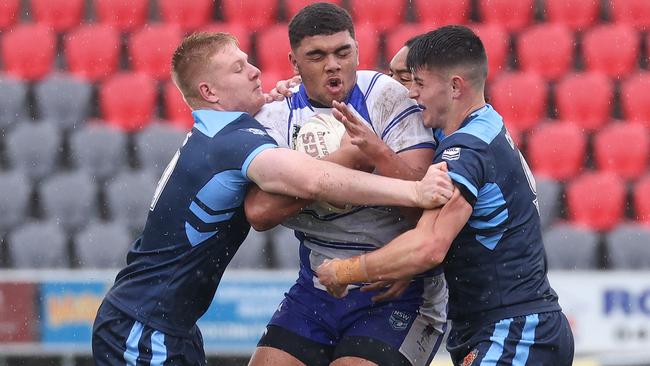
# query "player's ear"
(208, 93)
(457, 85)
(294, 63)
(356, 43)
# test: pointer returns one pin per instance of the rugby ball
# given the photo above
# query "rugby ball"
(318, 137)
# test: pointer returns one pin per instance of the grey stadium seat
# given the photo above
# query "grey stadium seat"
(13, 101)
(628, 247)
(285, 248)
(69, 199)
(38, 244)
(157, 144)
(34, 148)
(252, 253)
(102, 245)
(64, 99)
(548, 196)
(129, 196)
(571, 247)
(99, 149)
(15, 191)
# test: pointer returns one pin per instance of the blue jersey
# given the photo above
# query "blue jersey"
(496, 266)
(195, 225)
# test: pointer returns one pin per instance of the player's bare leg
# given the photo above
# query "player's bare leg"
(352, 361)
(269, 356)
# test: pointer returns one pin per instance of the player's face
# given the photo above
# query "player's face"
(237, 82)
(398, 69)
(328, 66)
(433, 90)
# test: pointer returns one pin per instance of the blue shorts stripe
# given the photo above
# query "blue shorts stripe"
(132, 352)
(158, 349)
(501, 330)
(527, 340)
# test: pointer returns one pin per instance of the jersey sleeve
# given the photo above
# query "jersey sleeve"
(397, 118)
(466, 163)
(275, 119)
(246, 140)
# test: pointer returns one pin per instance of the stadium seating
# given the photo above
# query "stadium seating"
(611, 48)
(70, 199)
(274, 59)
(642, 200)
(8, 13)
(435, 13)
(293, 6)
(497, 44)
(33, 148)
(254, 15)
(187, 14)
(366, 36)
(635, 97)
(125, 15)
(575, 14)
(152, 47)
(13, 101)
(396, 38)
(156, 145)
(176, 110)
(628, 247)
(28, 51)
(102, 245)
(127, 100)
(556, 150)
(571, 247)
(15, 191)
(513, 15)
(240, 32)
(129, 195)
(61, 15)
(92, 51)
(548, 198)
(633, 12)
(596, 200)
(623, 149)
(520, 98)
(99, 149)
(38, 244)
(585, 98)
(383, 14)
(552, 60)
(64, 99)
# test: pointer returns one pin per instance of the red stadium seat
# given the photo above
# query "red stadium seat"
(176, 110)
(623, 149)
(368, 40)
(496, 41)
(28, 51)
(125, 15)
(240, 32)
(152, 47)
(586, 98)
(92, 51)
(396, 38)
(635, 97)
(642, 200)
(61, 15)
(127, 100)
(254, 15)
(519, 97)
(442, 12)
(596, 200)
(557, 150)
(274, 59)
(293, 6)
(611, 48)
(9, 10)
(383, 14)
(187, 14)
(513, 15)
(575, 14)
(633, 12)
(554, 58)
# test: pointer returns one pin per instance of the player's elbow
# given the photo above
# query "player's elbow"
(429, 255)
(257, 216)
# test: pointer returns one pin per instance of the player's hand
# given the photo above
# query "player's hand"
(435, 189)
(360, 135)
(282, 89)
(327, 277)
(388, 289)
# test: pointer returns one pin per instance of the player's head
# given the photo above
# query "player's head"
(449, 68)
(212, 72)
(397, 68)
(324, 51)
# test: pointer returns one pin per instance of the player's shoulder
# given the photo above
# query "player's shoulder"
(486, 126)
(378, 84)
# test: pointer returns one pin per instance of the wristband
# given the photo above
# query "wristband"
(351, 270)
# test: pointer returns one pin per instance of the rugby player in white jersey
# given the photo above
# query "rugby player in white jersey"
(311, 327)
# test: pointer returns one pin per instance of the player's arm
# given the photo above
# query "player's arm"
(295, 174)
(413, 252)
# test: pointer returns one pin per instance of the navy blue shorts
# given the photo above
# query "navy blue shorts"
(543, 339)
(121, 340)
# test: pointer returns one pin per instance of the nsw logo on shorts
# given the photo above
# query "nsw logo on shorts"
(453, 153)
(399, 320)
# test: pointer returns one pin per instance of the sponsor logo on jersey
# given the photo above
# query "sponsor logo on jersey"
(453, 153)
(399, 320)
(255, 131)
(467, 361)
